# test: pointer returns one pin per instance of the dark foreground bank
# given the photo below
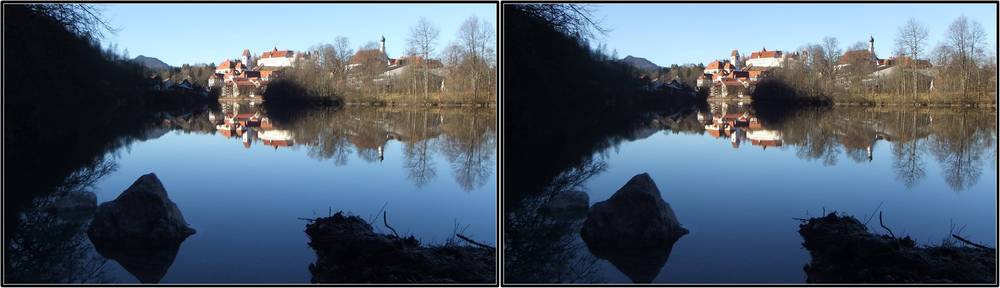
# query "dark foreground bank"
(349, 251)
(844, 251)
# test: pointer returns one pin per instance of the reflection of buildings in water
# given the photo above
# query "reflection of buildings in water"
(248, 123)
(276, 138)
(740, 127)
(764, 138)
(457, 136)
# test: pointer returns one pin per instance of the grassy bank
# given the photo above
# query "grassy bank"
(433, 99)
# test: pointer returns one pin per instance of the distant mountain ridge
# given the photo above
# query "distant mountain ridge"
(151, 63)
(640, 63)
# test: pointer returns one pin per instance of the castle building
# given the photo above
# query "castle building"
(277, 58)
(765, 58)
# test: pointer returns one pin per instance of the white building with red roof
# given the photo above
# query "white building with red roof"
(720, 67)
(277, 58)
(766, 58)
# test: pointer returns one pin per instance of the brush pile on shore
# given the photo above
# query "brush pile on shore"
(349, 251)
(844, 251)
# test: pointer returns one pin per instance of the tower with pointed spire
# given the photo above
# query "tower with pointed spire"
(871, 46)
(246, 58)
(381, 45)
(735, 59)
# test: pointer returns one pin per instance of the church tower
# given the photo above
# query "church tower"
(735, 59)
(246, 58)
(871, 46)
(381, 45)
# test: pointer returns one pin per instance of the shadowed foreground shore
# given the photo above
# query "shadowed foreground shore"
(844, 251)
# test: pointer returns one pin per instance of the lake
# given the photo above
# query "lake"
(245, 178)
(738, 181)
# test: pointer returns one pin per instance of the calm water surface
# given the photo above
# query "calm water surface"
(738, 189)
(243, 179)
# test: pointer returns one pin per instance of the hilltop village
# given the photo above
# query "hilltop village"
(247, 77)
(737, 77)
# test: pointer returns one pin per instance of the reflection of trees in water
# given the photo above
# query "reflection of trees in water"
(542, 247)
(469, 143)
(45, 243)
(51, 249)
(466, 137)
(419, 162)
(50, 244)
(959, 143)
(908, 163)
(957, 138)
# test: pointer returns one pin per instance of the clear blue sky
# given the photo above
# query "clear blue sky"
(203, 33)
(699, 33)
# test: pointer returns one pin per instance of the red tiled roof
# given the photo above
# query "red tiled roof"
(765, 54)
(855, 55)
(246, 52)
(907, 61)
(226, 64)
(715, 65)
(278, 54)
(732, 83)
(243, 82)
(367, 54)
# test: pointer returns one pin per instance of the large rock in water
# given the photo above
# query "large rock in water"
(142, 213)
(141, 229)
(634, 229)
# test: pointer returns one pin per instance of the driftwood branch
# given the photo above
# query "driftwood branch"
(873, 213)
(883, 225)
(473, 242)
(970, 242)
(385, 221)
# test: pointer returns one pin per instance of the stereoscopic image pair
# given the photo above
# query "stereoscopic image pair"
(489, 143)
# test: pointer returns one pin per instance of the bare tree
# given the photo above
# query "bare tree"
(423, 38)
(910, 41)
(832, 49)
(81, 19)
(475, 38)
(575, 20)
(965, 40)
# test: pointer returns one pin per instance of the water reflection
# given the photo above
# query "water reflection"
(248, 123)
(44, 244)
(958, 141)
(147, 263)
(541, 244)
(466, 137)
(50, 243)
